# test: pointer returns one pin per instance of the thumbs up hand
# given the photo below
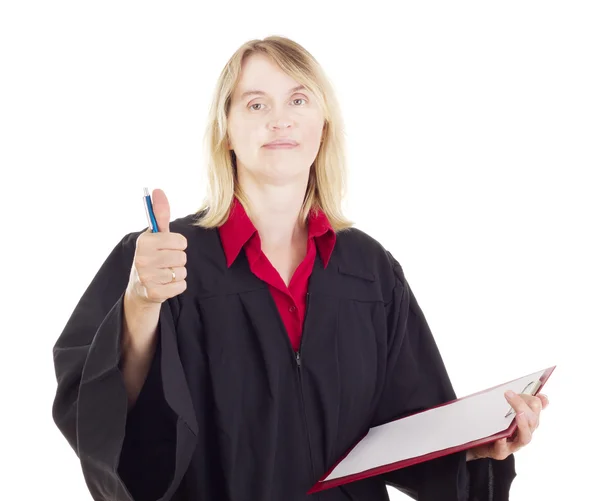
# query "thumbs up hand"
(158, 271)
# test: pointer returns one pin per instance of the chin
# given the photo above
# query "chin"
(283, 174)
(276, 171)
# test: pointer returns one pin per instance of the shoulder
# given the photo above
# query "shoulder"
(357, 252)
(188, 227)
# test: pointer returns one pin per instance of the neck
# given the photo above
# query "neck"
(274, 211)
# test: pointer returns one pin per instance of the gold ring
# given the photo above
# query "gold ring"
(172, 274)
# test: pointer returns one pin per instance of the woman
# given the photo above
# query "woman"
(241, 351)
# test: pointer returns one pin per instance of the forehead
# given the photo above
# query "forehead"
(259, 72)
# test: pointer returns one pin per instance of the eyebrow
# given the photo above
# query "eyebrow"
(262, 93)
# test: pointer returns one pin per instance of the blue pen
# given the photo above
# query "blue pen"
(149, 212)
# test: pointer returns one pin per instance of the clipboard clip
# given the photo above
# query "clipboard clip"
(529, 389)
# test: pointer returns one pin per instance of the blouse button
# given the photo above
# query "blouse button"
(292, 309)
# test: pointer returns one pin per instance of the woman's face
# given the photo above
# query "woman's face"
(276, 109)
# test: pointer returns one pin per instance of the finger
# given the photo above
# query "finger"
(170, 257)
(534, 403)
(169, 290)
(162, 210)
(174, 241)
(519, 403)
(180, 274)
(545, 400)
(516, 402)
(501, 449)
(533, 415)
(524, 435)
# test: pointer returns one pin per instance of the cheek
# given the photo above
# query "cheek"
(312, 129)
(242, 134)
(313, 133)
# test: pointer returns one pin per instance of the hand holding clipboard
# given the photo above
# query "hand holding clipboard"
(468, 423)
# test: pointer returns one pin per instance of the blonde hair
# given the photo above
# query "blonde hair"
(327, 179)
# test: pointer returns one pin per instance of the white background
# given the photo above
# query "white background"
(473, 142)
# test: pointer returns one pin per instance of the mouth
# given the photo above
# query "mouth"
(281, 144)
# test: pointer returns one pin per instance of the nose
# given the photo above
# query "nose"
(280, 123)
(280, 119)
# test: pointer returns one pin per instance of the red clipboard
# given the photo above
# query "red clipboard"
(536, 382)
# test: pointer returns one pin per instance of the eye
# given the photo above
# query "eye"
(255, 104)
(299, 99)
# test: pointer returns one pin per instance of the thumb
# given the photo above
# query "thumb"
(162, 211)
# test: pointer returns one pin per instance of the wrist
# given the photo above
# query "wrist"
(140, 321)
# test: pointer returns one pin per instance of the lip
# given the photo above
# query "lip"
(282, 143)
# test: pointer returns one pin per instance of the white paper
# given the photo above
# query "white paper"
(471, 418)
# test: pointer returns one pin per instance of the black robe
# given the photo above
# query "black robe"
(228, 411)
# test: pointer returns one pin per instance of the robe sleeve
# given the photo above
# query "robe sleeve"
(140, 455)
(416, 380)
